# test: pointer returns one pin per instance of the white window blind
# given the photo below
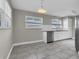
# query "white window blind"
(56, 23)
(33, 22)
(5, 21)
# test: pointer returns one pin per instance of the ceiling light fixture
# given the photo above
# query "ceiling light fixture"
(41, 9)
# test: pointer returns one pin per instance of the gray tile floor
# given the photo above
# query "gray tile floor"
(58, 50)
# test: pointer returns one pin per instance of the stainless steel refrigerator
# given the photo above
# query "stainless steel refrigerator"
(77, 34)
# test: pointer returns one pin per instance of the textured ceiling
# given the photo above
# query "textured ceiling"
(52, 6)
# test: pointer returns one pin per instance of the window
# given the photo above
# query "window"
(1, 16)
(56, 24)
(33, 22)
(5, 21)
(0, 20)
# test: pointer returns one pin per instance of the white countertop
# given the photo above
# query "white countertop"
(44, 30)
(50, 28)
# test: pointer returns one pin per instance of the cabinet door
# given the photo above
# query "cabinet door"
(2, 3)
(65, 24)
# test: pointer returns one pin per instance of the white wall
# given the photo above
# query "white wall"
(73, 27)
(5, 43)
(5, 39)
(25, 35)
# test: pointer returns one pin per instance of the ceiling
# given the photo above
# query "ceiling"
(53, 7)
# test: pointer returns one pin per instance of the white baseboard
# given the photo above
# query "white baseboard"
(18, 44)
(10, 52)
(23, 43)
